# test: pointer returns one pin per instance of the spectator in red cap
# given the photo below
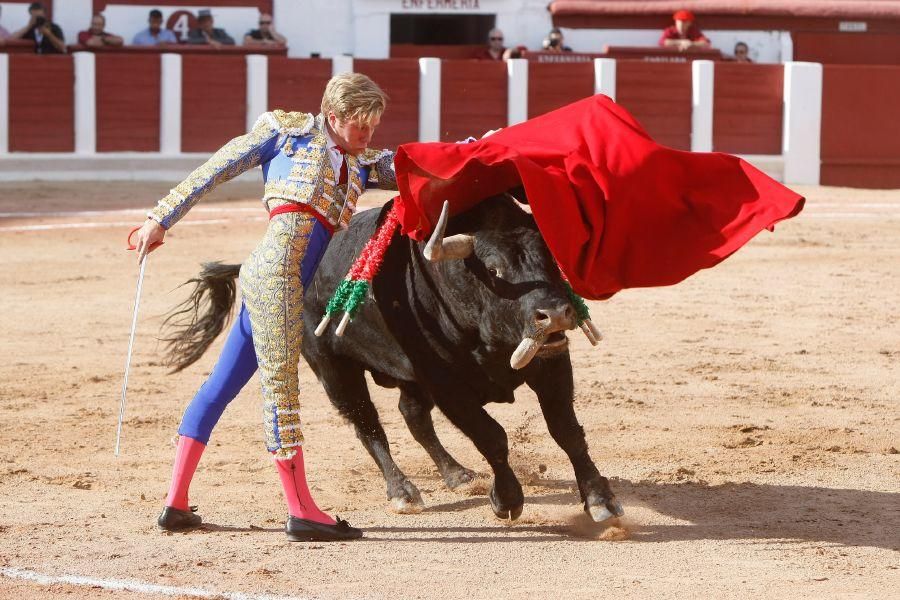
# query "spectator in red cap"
(683, 34)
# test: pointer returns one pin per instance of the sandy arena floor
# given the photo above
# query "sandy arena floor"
(748, 418)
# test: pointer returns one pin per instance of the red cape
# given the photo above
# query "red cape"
(616, 209)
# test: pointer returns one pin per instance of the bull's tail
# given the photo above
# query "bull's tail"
(191, 326)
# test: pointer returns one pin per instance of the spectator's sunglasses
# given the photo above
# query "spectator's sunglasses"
(265, 22)
(496, 39)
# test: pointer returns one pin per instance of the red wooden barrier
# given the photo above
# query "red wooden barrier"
(400, 79)
(551, 86)
(214, 101)
(748, 108)
(128, 96)
(297, 83)
(41, 103)
(473, 98)
(832, 47)
(659, 96)
(860, 129)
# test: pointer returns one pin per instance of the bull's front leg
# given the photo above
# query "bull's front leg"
(551, 380)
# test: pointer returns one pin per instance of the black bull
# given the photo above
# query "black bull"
(442, 331)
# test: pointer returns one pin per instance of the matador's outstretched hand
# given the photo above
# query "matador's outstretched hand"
(149, 237)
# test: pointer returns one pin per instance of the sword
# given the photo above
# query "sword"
(137, 302)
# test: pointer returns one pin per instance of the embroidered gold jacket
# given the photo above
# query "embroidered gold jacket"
(291, 147)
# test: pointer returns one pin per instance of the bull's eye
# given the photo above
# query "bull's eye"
(495, 272)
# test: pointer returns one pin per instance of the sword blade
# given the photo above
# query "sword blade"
(137, 302)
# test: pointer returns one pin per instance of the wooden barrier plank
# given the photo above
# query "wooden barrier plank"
(297, 84)
(41, 103)
(659, 97)
(860, 129)
(400, 79)
(128, 97)
(551, 85)
(473, 98)
(748, 111)
(214, 101)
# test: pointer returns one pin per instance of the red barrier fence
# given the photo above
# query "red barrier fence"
(748, 110)
(297, 83)
(551, 86)
(473, 98)
(860, 129)
(659, 96)
(214, 100)
(41, 103)
(128, 100)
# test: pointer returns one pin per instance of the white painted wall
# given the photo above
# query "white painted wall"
(323, 26)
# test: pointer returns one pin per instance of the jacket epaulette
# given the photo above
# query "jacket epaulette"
(291, 123)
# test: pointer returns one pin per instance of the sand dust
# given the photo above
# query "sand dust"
(747, 419)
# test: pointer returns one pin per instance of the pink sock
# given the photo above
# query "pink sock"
(296, 492)
(187, 455)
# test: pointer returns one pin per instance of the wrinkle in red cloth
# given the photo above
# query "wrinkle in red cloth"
(616, 209)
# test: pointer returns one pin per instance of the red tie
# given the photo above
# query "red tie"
(342, 180)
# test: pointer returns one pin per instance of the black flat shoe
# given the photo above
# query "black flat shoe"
(172, 519)
(304, 530)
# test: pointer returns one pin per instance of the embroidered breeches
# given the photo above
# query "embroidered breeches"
(267, 334)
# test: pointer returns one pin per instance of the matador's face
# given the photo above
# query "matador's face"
(353, 136)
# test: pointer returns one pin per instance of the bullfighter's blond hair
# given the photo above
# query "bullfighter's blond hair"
(354, 97)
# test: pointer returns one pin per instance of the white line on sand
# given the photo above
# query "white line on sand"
(848, 215)
(123, 211)
(50, 226)
(132, 586)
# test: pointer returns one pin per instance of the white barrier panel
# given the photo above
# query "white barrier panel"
(517, 90)
(85, 103)
(341, 64)
(605, 77)
(257, 87)
(170, 104)
(4, 103)
(802, 122)
(429, 99)
(702, 74)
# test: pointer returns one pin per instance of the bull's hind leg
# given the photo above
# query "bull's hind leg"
(555, 391)
(345, 384)
(416, 410)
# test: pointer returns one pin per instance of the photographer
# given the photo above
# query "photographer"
(48, 37)
(555, 42)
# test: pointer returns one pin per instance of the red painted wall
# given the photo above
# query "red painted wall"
(748, 108)
(847, 48)
(297, 83)
(473, 98)
(400, 79)
(860, 128)
(214, 101)
(128, 97)
(551, 86)
(659, 97)
(41, 103)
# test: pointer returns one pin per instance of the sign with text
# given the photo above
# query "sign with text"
(440, 5)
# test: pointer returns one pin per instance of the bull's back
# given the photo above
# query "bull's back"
(367, 339)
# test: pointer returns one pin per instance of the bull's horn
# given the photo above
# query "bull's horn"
(528, 347)
(456, 246)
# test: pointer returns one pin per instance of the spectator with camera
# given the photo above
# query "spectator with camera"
(207, 33)
(555, 42)
(155, 34)
(96, 36)
(265, 35)
(48, 37)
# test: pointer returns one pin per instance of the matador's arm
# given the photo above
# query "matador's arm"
(240, 154)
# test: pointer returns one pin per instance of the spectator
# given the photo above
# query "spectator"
(156, 34)
(48, 37)
(742, 53)
(494, 49)
(555, 41)
(265, 35)
(3, 32)
(207, 34)
(96, 36)
(683, 34)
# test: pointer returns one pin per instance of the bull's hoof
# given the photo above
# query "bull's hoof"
(459, 476)
(407, 500)
(610, 509)
(504, 512)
